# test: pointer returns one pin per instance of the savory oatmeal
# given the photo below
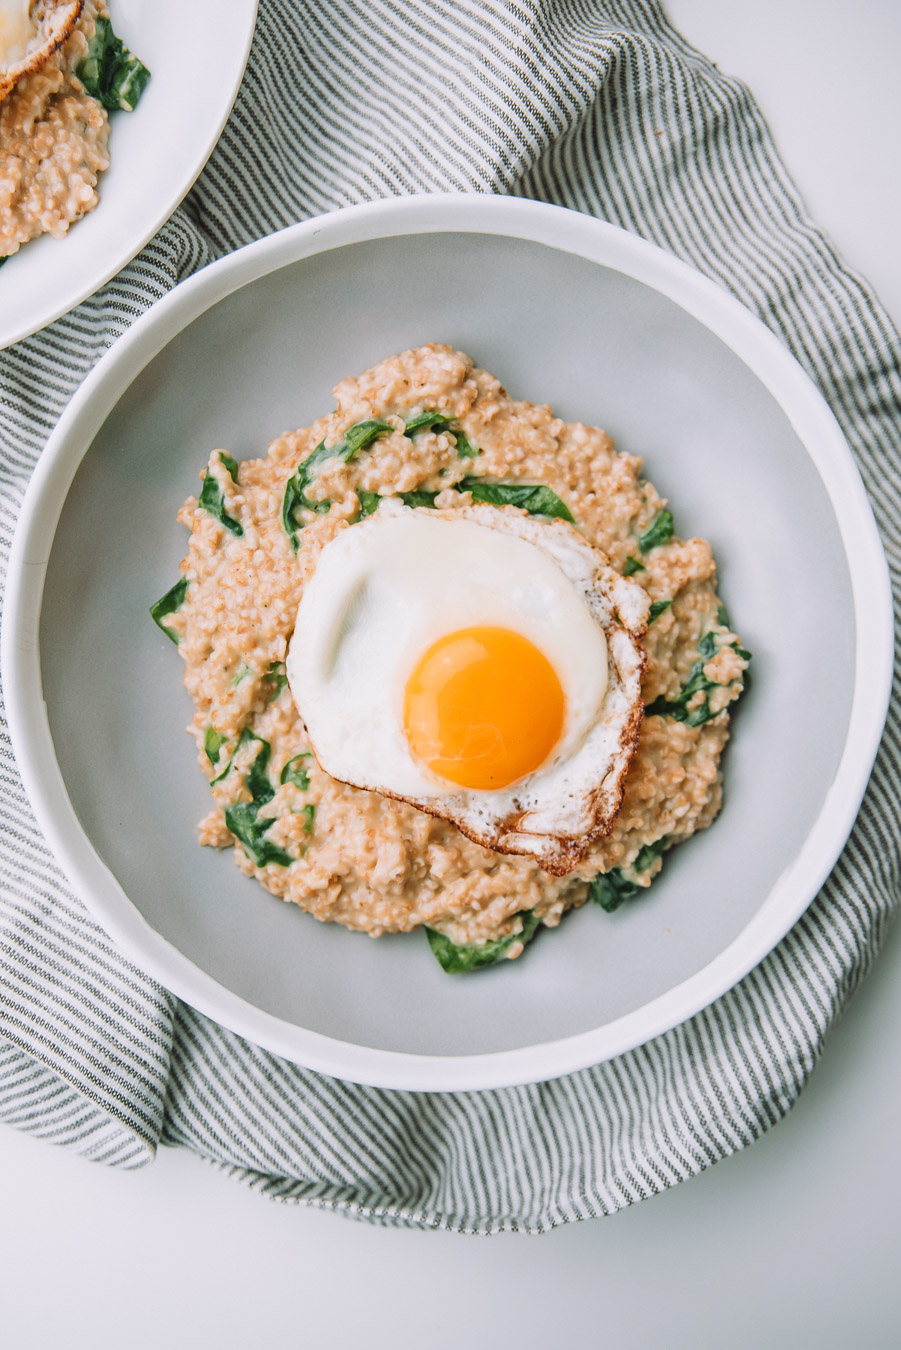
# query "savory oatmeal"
(54, 123)
(427, 436)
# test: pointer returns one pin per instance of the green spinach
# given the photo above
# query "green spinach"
(109, 71)
(211, 497)
(660, 531)
(369, 502)
(168, 604)
(213, 742)
(696, 683)
(610, 889)
(427, 421)
(298, 776)
(458, 959)
(243, 819)
(419, 497)
(240, 675)
(356, 438)
(276, 679)
(464, 447)
(246, 736)
(256, 780)
(534, 498)
(437, 421)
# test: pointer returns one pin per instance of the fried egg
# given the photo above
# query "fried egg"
(30, 32)
(480, 663)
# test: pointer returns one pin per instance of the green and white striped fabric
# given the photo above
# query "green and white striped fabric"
(602, 107)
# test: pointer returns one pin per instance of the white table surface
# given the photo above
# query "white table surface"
(791, 1244)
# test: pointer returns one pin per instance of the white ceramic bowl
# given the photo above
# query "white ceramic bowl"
(563, 309)
(156, 153)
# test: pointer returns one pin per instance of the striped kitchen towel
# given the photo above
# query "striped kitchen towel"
(600, 106)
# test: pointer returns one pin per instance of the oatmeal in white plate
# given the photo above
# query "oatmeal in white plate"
(70, 71)
(392, 707)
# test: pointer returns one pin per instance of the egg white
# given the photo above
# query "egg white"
(30, 34)
(17, 28)
(383, 591)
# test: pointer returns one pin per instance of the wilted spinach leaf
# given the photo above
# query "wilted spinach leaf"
(537, 499)
(610, 889)
(168, 604)
(211, 497)
(427, 421)
(213, 742)
(356, 438)
(458, 959)
(109, 71)
(243, 817)
(658, 532)
(294, 772)
(697, 681)
(243, 821)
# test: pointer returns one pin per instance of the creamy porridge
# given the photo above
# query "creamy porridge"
(54, 129)
(449, 438)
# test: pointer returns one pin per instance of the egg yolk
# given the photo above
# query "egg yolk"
(483, 707)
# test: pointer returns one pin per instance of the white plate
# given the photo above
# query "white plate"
(196, 54)
(563, 309)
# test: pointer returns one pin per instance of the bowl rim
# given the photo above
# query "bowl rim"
(599, 242)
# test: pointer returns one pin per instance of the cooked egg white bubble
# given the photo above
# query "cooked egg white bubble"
(396, 588)
(383, 593)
